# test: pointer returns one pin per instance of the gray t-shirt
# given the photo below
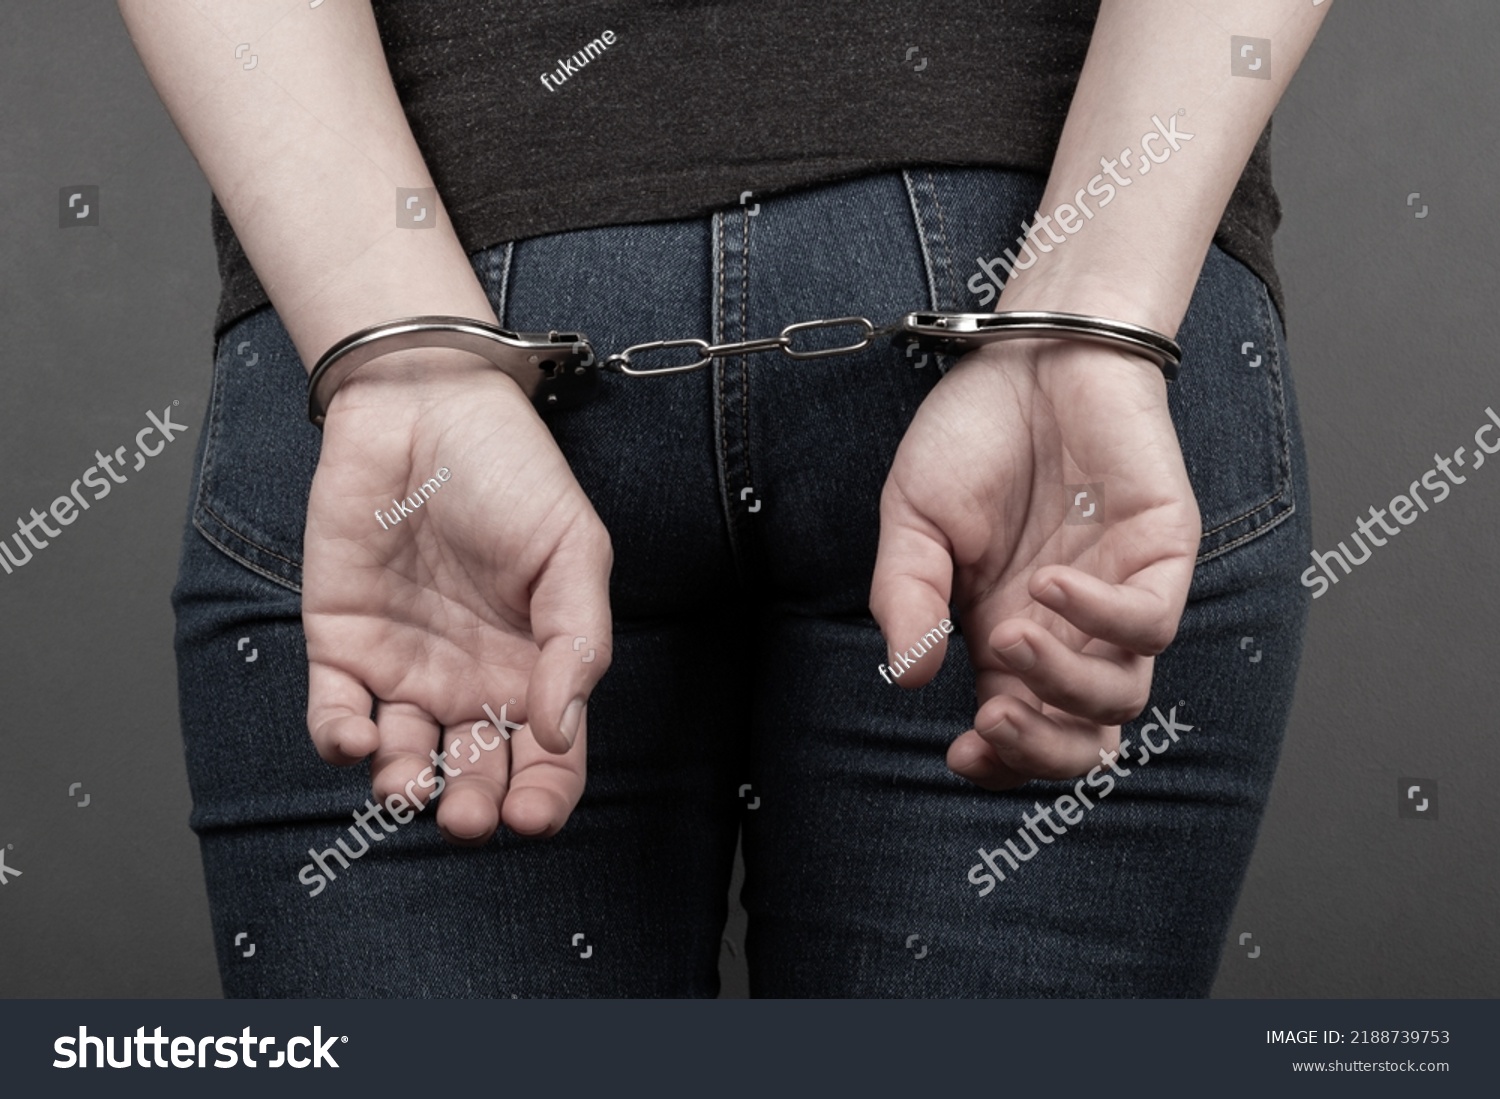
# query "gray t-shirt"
(533, 120)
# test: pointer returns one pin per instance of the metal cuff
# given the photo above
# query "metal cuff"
(564, 360)
(955, 333)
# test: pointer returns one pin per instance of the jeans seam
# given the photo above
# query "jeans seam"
(245, 561)
(243, 537)
(717, 394)
(720, 337)
(1250, 536)
(744, 335)
(916, 217)
(1268, 502)
(935, 253)
(1279, 384)
(503, 293)
(951, 301)
(205, 468)
(202, 508)
(492, 268)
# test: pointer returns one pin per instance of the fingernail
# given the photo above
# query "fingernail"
(1019, 656)
(1053, 595)
(570, 719)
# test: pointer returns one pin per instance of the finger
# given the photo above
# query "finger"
(338, 716)
(1109, 686)
(909, 593)
(408, 741)
(470, 809)
(544, 786)
(972, 757)
(570, 620)
(1140, 615)
(1042, 745)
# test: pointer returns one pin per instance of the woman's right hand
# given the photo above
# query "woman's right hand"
(478, 596)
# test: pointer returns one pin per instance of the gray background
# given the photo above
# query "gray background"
(1392, 323)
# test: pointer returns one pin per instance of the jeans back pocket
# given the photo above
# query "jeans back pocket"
(1230, 409)
(259, 451)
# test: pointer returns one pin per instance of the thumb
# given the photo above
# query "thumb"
(338, 715)
(910, 591)
(571, 623)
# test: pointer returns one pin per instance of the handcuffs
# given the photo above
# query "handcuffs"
(568, 373)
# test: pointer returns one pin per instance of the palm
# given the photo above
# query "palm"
(435, 608)
(471, 599)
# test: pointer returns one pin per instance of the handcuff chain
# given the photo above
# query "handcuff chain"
(569, 373)
(620, 362)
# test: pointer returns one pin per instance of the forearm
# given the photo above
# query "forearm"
(306, 151)
(1140, 231)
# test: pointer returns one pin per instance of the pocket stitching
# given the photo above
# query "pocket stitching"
(268, 551)
(246, 562)
(1284, 455)
(494, 260)
(202, 506)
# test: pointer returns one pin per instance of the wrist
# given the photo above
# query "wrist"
(1088, 294)
(535, 363)
(1063, 365)
(418, 375)
(406, 275)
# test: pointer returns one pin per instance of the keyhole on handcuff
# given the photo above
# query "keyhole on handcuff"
(551, 368)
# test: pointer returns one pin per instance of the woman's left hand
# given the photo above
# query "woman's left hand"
(1041, 490)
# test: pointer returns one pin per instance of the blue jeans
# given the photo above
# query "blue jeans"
(744, 698)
